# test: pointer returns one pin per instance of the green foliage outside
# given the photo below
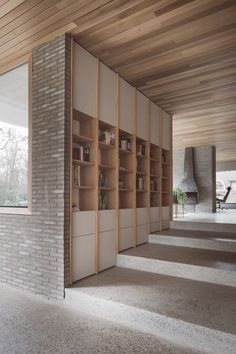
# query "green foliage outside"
(13, 165)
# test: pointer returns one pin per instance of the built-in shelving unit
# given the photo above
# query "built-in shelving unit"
(141, 173)
(166, 178)
(155, 176)
(107, 165)
(126, 171)
(120, 166)
(83, 170)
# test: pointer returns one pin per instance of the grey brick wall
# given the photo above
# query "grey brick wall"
(204, 173)
(34, 248)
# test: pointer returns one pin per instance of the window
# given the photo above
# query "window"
(14, 138)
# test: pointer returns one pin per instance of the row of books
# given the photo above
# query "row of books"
(125, 144)
(76, 176)
(103, 200)
(107, 137)
(81, 153)
(141, 149)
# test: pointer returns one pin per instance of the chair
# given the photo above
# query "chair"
(219, 201)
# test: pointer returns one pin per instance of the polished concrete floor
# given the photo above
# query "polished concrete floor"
(193, 256)
(195, 302)
(221, 216)
(31, 325)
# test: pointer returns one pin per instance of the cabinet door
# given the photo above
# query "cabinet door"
(84, 81)
(141, 216)
(83, 223)
(155, 226)
(155, 214)
(107, 95)
(83, 256)
(126, 106)
(126, 238)
(142, 234)
(107, 220)
(125, 218)
(107, 249)
(142, 116)
(155, 124)
(166, 127)
(165, 213)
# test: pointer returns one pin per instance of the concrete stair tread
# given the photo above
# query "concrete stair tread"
(209, 235)
(183, 255)
(204, 304)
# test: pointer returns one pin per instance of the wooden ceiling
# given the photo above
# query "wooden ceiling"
(180, 53)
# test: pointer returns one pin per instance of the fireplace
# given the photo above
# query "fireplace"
(188, 183)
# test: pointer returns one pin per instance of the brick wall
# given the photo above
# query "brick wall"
(204, 158)
(34, 248)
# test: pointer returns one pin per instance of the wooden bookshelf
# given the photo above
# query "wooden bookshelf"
(155, 175)
(166, 177)
(83, 169)
(126, 156)
(142, 163)
(107, 166)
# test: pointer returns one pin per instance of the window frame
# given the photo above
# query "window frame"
(24, 210)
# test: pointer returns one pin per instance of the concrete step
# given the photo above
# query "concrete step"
(195, 239)
(199, 315)
(204, 265)
(203, 226)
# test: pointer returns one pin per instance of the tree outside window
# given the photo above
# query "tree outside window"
(14, 138)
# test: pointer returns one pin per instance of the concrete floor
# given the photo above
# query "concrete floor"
(193, 256)
(31, 325)
(195, 302)
(221, 216)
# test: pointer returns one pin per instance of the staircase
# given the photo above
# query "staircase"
(180, 286)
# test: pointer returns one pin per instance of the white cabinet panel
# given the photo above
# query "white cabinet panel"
(142, 111)
(83, 256)
(107, 95)
(142, 234)
(155, 124)
(125, 218)
(107, 249)
(107, 220)
(155, 226)
(126, 106)
(84, 81)
(141, 216)
(165, 224)
(155, 214)
(166, 126)
(165, 213)
(126, 238)
(83, 223)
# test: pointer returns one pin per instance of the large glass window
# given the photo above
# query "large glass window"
(14, 137)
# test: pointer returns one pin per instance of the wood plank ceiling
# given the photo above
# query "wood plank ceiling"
(180, 53)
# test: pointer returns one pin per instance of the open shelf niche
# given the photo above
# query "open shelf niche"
(126, 169)
(83, 169)
(142, 200)
(166, 178)
(155, 176)
(107, 167)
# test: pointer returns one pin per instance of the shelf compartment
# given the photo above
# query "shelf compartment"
(106, 167)
(140, 173)
(125, 170)
(125, 152)
(106, 189)
(105, 146)
(82, 139)
(83, 163)
(83, 187)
